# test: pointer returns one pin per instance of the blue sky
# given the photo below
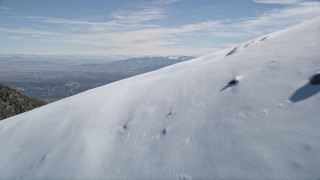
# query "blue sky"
(132, 27)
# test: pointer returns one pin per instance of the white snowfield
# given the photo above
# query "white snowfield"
(184, 121)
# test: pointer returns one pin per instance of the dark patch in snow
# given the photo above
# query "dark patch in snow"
(234, 50)
(170, 113)
(164, 131)
(37, 164)
(231, 83)
(304, 92)
(315, 80)
(272, 61)
(296, 164)
(307, 147)
(264, 38)
(130, 118)
(42, 159)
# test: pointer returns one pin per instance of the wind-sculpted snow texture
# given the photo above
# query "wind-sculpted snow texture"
(177, 123)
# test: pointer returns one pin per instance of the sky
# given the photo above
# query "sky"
(142, 28)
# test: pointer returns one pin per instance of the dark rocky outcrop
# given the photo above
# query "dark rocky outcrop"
(315, 80)
(13, 102)
(234, 50)
(233, 82)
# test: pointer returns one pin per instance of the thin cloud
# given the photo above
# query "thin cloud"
(278, 1)
(134, 31)
(121, 20)
(27, 31)
(157, 3)
(279, 18)
(143, 15)
(4, 8)
(167, 1)
(52, 29)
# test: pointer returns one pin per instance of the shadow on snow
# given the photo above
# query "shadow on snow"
(305, 92)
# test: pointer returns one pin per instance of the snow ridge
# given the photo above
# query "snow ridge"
(180, 122)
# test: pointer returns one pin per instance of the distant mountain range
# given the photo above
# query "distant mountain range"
(51, 79)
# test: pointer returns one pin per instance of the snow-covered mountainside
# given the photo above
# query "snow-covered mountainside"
(184, 121)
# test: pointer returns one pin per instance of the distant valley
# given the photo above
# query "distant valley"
(50, 79)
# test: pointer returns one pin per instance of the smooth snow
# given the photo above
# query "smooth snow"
(177, 123)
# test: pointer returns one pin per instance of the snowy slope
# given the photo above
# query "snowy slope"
(184, 121)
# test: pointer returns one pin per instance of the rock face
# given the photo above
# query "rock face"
(315, 80)
(13, 102)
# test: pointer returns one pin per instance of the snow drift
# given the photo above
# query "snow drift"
(184, 121)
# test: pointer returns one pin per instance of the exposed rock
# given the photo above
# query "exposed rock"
(233, 82)
(13, 102)
(315, 80)
(234, 50)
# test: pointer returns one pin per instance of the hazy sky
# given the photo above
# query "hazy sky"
(132, 27)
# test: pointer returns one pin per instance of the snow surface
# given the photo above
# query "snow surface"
(181, 123)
